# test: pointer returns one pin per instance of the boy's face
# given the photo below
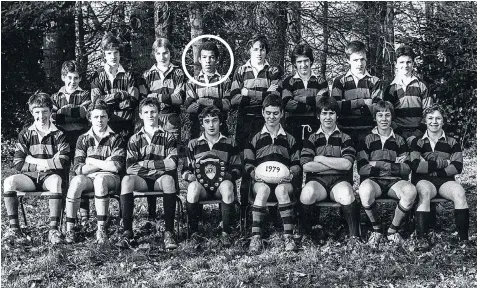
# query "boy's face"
(163, 56)
(357, 61)
(99, 119)
(404, 65)
(434, 121)
(150, 115)
(328, 118)
(112, 57)
(71, 81)
(41, 115)
(303, 65)
(384, 119)
(272, 115)
(211, 125)
(258, 52)
(207, 61)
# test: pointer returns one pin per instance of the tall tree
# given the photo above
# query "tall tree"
(80, 51)
(163, 19)
(326, 36)
(196, 29)
(294, 22)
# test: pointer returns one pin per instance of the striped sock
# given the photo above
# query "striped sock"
(55, 209)
(72, 206)
(102, 208)
(84, 209)
(399, 214)
(286, 212)
(11, 204)
(372, 213)
(258, 214)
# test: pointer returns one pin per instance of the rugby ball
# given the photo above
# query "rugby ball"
(271, 171)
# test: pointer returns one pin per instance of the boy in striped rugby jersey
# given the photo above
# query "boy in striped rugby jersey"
(117, 87)
(384, 167)
(199, 97)
(436, 160)
(272, 143)
(327, 157)
(150, 164)
(409, 95)
(40, 155)
(355, 92)
(212, 145)
(99, 158)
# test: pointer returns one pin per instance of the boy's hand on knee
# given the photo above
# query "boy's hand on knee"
(286, 179)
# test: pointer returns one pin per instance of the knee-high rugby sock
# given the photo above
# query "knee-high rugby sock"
(258, 214)
(462, 223)
(286, 212)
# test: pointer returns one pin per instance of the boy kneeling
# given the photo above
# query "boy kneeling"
(99, 157)
(272, 143)
(212, 147)
(327, 157)
(383, 164)
(151, 161)
(40, 155)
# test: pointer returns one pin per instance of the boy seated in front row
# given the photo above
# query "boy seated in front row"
(436, 159)
(199, 97)
(272, 143)
(40, 155)
(383, 164)
(327, 157)
(211, 147)
(151, 161)
(99, 157)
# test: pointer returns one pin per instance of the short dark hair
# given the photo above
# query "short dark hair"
(210, 111)
(70, 66)
(40, 100)
(109, 42)
(432, 109)
(260, 38)
(327, 103)
(272, 100)
(149, 101)
(405, 50)
(382, 106)
(209, 46)
(99, 104)
(355, 47)
(161, 42)
(302, 50)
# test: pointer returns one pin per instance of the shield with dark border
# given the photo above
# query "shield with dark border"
(210, 172)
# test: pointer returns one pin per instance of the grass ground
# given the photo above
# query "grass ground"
(208, 265)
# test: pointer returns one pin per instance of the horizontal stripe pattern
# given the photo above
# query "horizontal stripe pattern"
(300, 100)
(111, 147)
(218, 95)
(169, 90)
(73, 110)
(372, 149)
(147, 160)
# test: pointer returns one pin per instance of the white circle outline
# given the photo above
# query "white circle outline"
(224, 77)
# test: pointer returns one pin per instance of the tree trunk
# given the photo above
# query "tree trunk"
(294, 22)
(51, 61)
(281, 8)
(80, 51)
(163, 19)
(388, 57)
(142, 36)
(196, 29)
(326, 36)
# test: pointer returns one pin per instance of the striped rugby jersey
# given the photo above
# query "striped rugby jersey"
(52, 146)
(73, 111)
(338, 145)
(111, 147)
(384, 152)
(124, 83)
(168, 87)
(218, 95)
(264, 148)
(349, 95)
(145, 157)
(225, 149)
(244, 77)
(300, 97)
(431, 158)
(409, 102)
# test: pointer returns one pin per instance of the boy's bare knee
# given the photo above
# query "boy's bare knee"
(193, 192)
(10, 184)
(306, 196)
(127, 185)
(281, 193)
(168, 184)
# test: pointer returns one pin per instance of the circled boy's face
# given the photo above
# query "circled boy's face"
(434, 121)
(71, 81)
(207, 61)
(357, 61)
(258, 52)
(404, 65)
(150, 115)
(41, 115)
(328, 118)
(272, 115)
(99, 120)
(303, 65)
(384, 119)
(211, 125)
(163, 56)
(112, 57)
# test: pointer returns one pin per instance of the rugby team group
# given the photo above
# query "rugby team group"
(123, 136)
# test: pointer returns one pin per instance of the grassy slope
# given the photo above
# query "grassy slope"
(85, 265)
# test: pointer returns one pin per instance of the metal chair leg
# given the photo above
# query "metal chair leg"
(20, 199)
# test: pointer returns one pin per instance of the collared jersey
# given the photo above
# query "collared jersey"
(431, 158)
(301, 97)
(224, 149)
(218, 95)
(145, 157)
(168, 87)
(349, 95)
(372, 148)
(74, 105)
(111, 147)
(52, 146)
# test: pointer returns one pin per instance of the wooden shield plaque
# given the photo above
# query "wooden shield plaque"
(210, 172)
